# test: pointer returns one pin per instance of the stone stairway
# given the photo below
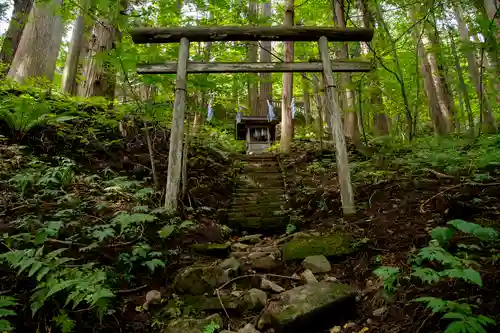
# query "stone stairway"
(260, 199)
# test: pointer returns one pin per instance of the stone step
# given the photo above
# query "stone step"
(259, 208)
(257, 198)
(260, 177)
(262, 157)
(252, 214)
(261, 170)
(264, 183)
(261, 224)
(253, 195)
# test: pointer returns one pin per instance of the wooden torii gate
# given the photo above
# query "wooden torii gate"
(185, 35)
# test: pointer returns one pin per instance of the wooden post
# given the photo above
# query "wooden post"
(177, 130)
(346, 192)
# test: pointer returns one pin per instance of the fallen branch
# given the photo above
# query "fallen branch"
(127, 291)
(451, 188)
(254, 275)
(438, 174)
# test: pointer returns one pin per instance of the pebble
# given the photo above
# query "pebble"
(308, 277)
(269, 285)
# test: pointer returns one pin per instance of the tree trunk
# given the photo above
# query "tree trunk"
(286, 98)
(493, 46)
(307, 99)
(266, 83)
(444, 98)
(380, 119)
(38, 48)
(253, 83)
(488, 121)
(199, 116)
(350, 116)
(436, 116)
(100, 76)
(320, 108)
(12, 36)
(461, 81)
(69, 85)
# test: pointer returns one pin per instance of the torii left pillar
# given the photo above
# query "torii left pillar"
(177, 130)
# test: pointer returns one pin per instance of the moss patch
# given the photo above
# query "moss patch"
(212, 248)
(303, 246)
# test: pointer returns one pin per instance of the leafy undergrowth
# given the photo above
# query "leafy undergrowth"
(82, 227)
(406, 197)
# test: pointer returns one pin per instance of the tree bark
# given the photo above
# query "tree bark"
(253, 85)
(307, 99)
(493, 46)
(463, 87)
(12, 36)
(199, 116)
(436, 116)
(266, 82)
(350, 116)
(69, 85)
(444, 98)
(287, 94)
(38, 48)
(488, 121)
(319, 108)
(100, 76)
(380, 119)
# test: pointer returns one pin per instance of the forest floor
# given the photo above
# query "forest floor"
(101, 209)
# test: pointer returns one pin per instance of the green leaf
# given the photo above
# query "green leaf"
(454, 315)
(42, 273)
(166, 231)
(6, 301)
(36, 266)
(433, 303)
(456, 327)
(153, 263)
(427, 275)
(442, 235)
(467, 274)
(463, 226)
(186, 224)
(5, 326)
(6, 312)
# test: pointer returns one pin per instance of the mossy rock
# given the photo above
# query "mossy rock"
(303, 246)
(189, 325)
(215, 249)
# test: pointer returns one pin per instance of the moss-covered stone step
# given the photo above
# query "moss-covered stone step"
(270, 190)
(237, 202)
(251, 207)
(261, 224)
(262, 183)
(264, 168)
(255, 213)
(303, 246)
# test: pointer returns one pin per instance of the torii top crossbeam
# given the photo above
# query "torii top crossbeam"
(235, 33)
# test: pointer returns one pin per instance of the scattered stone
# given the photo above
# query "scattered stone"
(256, 255)
(198, 280)
(237, 293)
(379, 312)
(308, 277)
(215, 249)
(201, 302)
(231, 264)
(296, 276)
(255, 298)
(349, 325)
(249, 328)
(311, 307)
(302, 246)
(184, 325)
(252, 239)
(152, 297)
(239, 247)
(238, 254)
(269, 285)
(369, 321)
(330, 279)
(336, 329)
(266, 263)
(317, 264)
(267, 249)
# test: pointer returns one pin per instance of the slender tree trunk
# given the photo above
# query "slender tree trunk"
(69, 85)
(320, 108)
(266, 83)
(436, 115)
(199, 117)
(488, 121)
(253, 84)
(492, 43)
(307, 99)
(12, 36)
(286, 98)
(463, 87)
(100, 76)
(38, 48)
(350, 116)
(444, 98)
(380, 119)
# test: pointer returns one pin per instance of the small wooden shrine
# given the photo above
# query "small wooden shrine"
(259, 132)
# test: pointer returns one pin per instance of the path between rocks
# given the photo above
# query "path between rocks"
(265, 284)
